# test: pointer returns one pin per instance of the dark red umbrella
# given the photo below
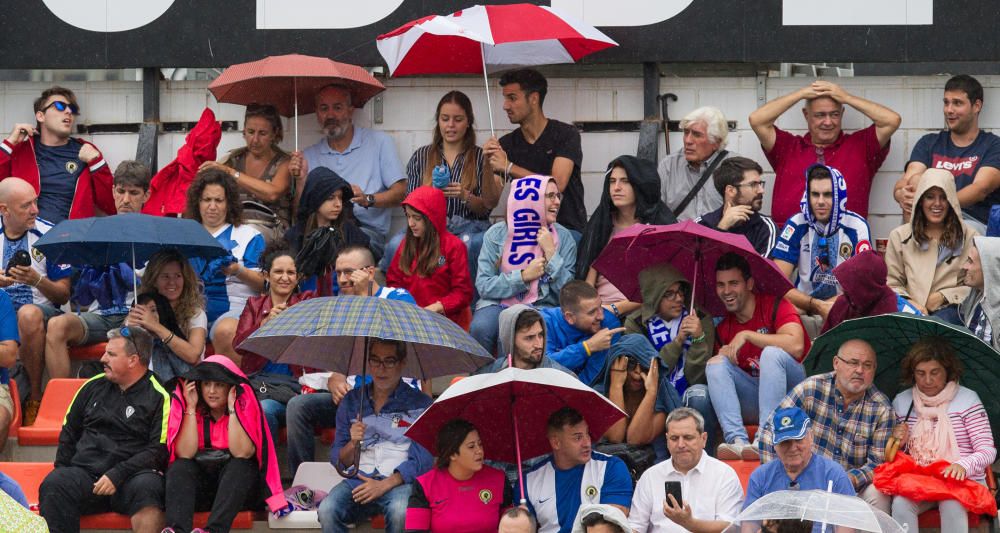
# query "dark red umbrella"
(290, 83)
(168, 188)
(693, 250)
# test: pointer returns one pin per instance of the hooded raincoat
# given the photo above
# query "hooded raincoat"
(248, 411)
(981, 309)
(865, 293)
(654, 281)
(649, 209)
(450, 282)
(915, 270)
(507, 321)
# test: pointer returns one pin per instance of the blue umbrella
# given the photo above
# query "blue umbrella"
(128, 238)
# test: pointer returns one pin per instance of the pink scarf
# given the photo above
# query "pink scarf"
(933, 438)
(525, 216)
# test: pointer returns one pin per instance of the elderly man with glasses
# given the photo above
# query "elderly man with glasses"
(852, 419)
(738, 180)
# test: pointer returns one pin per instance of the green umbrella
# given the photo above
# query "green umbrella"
(892, 336)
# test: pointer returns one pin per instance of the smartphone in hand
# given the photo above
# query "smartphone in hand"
(673, 487)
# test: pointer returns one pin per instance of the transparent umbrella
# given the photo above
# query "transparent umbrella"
(837, 512)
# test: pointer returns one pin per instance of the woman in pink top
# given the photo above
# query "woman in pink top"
(943, 421)
(459, 495)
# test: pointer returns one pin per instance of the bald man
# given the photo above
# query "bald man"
(852, 420)
(36, 288)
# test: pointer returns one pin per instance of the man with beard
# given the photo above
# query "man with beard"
(522, 338)
(113, 444)
(822, 235)
(366, 158)
(969, 153)
(852, 419)
(738, 180)
(69, 175)
(579, 332)
(760, 345)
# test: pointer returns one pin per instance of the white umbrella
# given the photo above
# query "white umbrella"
(818, 506)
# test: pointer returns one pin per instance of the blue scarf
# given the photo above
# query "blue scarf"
(662, 333)
(839, 203)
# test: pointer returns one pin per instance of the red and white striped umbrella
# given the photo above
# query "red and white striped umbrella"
(483, 39)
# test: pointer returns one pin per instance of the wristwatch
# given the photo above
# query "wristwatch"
(369, 200)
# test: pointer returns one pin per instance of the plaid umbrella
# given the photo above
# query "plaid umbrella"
(329, 333)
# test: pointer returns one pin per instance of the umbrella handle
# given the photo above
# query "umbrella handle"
(351, 471)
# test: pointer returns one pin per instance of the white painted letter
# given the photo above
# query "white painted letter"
(108, 15)
(621, 12)
(857, 12)
(321, 14)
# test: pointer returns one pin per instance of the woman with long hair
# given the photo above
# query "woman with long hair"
(260, 170)
(213, 201)
(282, 292)
(925, 256)
(325, 225)
(453, 163)
(631, 196)
(169, 275)
(432, 263)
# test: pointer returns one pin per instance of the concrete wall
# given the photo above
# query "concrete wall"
(409, 106)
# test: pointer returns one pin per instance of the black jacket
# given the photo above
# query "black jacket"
(116, 433)
(759, 230)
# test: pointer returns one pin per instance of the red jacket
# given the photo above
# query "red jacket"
(93, 187)
(168, 188)
(450, 282)
(253, 315)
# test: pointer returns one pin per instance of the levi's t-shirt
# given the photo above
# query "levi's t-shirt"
(936, 150)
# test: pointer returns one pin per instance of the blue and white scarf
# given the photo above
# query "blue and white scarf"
(662, 333)
(825, 237)
(839, 203)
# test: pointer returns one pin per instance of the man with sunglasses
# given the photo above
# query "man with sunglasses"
(739, 182)
(821, 236)
(389, 461)
(858, 154)
(798, 467)
(69, 174)
(113, 445)
(852, 419)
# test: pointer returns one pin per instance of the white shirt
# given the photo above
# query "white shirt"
(711, 488)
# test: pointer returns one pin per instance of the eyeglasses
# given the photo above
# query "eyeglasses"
(854, 364)
(62, 106)
(752, 184)
(670, 295)
(387, 364)
(554, 196)
(126, 334)
(346, 272)
(633, 364)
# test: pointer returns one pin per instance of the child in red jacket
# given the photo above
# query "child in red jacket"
(431, 263)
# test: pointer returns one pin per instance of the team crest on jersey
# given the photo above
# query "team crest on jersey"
(591, 491)
(845, 249)
(72, 167)
(37, 254)
(485, 496)
(129, 411)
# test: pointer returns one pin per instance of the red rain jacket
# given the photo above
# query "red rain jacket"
(168, 189)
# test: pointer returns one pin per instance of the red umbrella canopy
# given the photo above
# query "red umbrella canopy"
(502, 36)
(281, 80)
(693, 250)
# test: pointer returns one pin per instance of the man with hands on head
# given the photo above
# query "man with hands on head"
(36, 288)
(355, 271)
(112, 447)
(366, 158)
(389, 461)
(858, 155)
(69, 174)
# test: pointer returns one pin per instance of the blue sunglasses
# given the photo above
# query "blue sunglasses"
(62, 106)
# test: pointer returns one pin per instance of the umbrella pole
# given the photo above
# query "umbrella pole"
(517, 447)
(486, 83)
(135, 282)
(829, 489)
(694, 280)
(295, 84)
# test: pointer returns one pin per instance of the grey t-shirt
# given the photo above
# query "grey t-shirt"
(677, 177)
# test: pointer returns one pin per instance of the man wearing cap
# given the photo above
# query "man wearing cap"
(823, 234)
(852, 419)
(797, 468)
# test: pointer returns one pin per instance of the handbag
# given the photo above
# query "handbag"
(278, 387)
(636, 458)
(211, 460)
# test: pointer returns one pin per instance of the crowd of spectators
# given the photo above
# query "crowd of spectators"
(162, 430)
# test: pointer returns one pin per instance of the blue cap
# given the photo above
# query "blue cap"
(790, 424)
